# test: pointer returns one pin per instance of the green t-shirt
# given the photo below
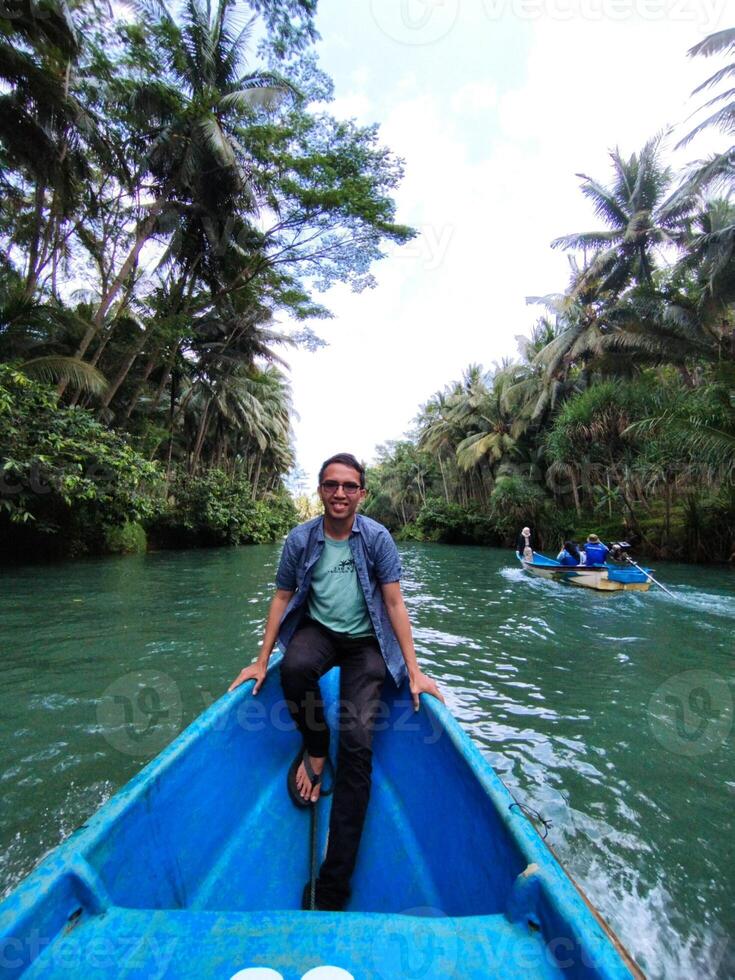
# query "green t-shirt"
(335, 597)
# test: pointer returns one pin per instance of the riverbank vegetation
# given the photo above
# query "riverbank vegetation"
(618, 415)
(172, 187)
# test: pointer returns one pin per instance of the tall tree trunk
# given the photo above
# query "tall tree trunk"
(421, 487)
(575, 494)
(141, 387)
(94, 359)
(171, 418)
(31, 282)
(144, 233)
(256, 481)
(164, 377)
(54, 273)
(444, 478)
(125, 368)
(199, 439)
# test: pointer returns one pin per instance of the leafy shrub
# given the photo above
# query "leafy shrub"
(515, 501)
(126, 539)
(217, 508)
(409, 532)
(709, 526)
(63, 475)
(450, 523)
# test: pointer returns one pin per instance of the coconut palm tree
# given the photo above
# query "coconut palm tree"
(243, 415)
(641, 217)
(490, 432)
(710, 259)
(702, 425)
(532, 390)
(188, 105)
(45, 131)
(717, 171)
(29, 336)
(581, 315)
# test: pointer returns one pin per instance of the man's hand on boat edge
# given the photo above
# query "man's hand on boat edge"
(255, 671)
(421, 683)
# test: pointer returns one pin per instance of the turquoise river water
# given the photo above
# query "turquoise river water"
(609, 714)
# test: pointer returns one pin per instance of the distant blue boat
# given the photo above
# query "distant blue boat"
(195, 869)
(605, 578)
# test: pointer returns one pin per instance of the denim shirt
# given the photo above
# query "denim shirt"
(376, 563)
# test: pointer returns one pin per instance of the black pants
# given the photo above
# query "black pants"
(311, 653)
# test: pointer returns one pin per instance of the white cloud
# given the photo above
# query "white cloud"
(360, 77)
(475, 97)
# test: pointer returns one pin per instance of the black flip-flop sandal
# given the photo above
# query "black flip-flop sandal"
(314, 778)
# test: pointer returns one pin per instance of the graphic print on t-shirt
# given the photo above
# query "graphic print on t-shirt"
(347, 566)
(335, 597)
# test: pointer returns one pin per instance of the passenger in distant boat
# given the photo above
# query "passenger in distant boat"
(569, 555)
(617, 554)
(595, 551)
(523, 544)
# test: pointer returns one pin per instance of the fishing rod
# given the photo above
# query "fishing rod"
(648, 575)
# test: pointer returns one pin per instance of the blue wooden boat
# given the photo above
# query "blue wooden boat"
(196, 868)
(604, 578)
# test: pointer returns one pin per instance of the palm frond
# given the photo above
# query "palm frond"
(605, 204)
(723, 119)
(257, 97)
(77, 374)
(715, 79)
(216, 141)
(231, 50)
(586, 239)
(475, 447)
(714, 43)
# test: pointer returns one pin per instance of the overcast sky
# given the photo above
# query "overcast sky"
(494, 106)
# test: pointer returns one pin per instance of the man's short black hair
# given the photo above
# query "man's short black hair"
(345, 459)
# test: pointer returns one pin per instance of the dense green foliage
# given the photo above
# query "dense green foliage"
(166, 192)
(63, 470)
(72, 486)
(619, 414)
(219, 508)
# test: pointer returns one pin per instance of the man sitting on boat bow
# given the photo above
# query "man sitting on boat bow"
(338, 602)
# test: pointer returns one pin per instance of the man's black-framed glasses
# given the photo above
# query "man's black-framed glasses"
(332, 486)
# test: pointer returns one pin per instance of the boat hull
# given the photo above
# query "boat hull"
(603, 579)
(197, 866)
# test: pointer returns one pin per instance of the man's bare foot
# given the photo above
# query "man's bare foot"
(303, 783)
